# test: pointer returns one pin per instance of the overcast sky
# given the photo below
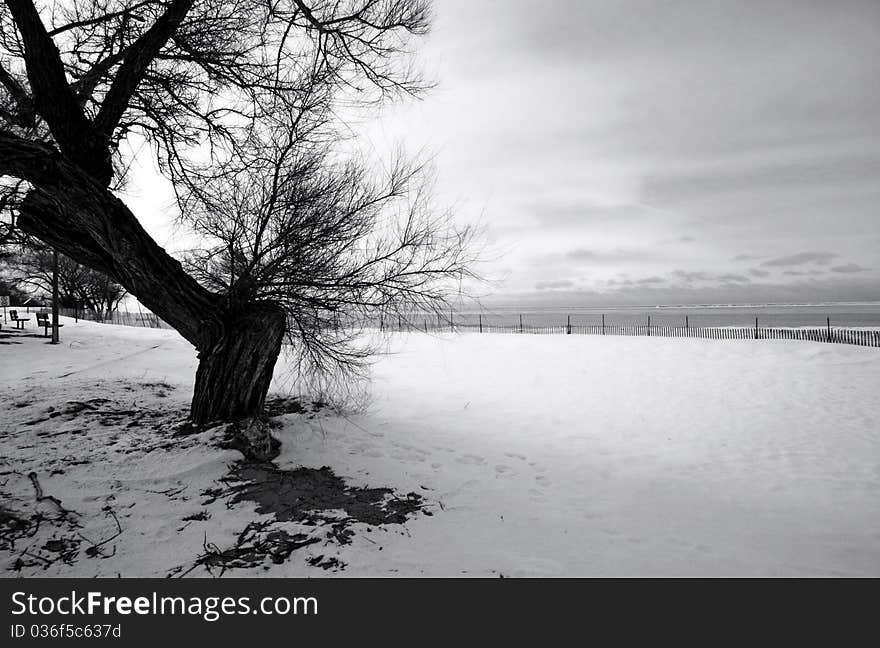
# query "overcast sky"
(650, 151)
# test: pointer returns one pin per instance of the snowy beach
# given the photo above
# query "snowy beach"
(530, 456)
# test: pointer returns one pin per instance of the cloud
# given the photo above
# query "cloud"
(733, 278)
(794, 168)
(849, 267)
(616, 256)
(581, 254)
(745, 257)
(691, 276)
(706, 276)
(758, 273)
(798, 273)
(802, 258)
(554, 285)
(583, 212)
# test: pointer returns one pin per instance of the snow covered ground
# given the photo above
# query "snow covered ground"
(534, 456)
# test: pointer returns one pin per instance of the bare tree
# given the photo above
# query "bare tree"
(237, 99)
(78, 286)
(12, 290)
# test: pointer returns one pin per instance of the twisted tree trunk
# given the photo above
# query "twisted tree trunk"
(67, 209)
(235, 369)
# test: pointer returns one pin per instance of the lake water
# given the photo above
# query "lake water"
(773, 315)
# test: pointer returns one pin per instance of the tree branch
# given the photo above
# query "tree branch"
(135, 65)
(53, 98)
(128, 11)
(23, 115)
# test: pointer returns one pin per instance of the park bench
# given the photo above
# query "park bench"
(19, 321)
(44, 321)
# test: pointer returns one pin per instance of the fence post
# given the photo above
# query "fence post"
(649, 326)
(568, 326)
(481, 322)
(603, 324)
(520, 323)
(451, 322)
(756, 328)
(687, 327)
(426, 325)
(828, 321)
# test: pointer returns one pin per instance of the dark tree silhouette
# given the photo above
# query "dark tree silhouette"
(237, 100)
(32, 265)
(11, 289)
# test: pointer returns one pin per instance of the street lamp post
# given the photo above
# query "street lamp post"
(54, 296)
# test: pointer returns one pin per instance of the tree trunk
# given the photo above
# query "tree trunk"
(234, 374)
(235, 369)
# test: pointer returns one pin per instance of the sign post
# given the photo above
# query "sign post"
(4, 302)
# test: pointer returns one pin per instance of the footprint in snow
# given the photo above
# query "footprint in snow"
(470, 459)
(537, 496)
(407, 456)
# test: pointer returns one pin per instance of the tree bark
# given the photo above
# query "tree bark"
(235, 369)
(233, 377)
